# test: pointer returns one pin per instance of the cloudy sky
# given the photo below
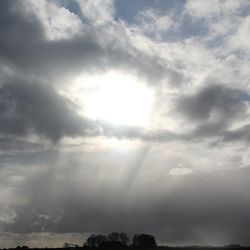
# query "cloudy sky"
(124, 115)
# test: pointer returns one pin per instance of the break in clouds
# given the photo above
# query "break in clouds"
(124, 116)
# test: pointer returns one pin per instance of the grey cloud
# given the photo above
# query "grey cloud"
(240, 134)
(28, 106)
(218, 133)
(11, 143)
(36, 108)
(214, 108)
(89, 51)
(133, 132)
(150, 67)
(49, 188)
(47, 58)
(213, 99)
(182, 215)
(34, 55)
(14, 24)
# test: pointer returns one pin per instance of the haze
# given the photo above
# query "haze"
(127, 116)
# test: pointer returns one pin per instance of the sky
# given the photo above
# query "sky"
(124, 115)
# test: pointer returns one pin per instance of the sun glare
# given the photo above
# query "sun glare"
(118, 99)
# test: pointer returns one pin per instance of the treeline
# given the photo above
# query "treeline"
(120, 240)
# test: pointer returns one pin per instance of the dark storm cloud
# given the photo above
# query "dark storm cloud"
(37, 108)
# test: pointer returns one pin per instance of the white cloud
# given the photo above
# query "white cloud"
(99, 12)
(240, 40)
(58, 22)
(215, 8)
(154, 24)
(179, 171)
(202, 9)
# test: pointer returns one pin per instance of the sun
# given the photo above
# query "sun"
(118, 98)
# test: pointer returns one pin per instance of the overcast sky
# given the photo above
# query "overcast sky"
(124, 115)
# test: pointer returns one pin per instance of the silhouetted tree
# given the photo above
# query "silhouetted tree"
(113, 236)
(100, 239)
(119, 237)
(113, 240)
(90, 242)
(124, 239)
(95, 240)
(144, 241)
(112, 245)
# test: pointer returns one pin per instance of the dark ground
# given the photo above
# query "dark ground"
(135, 248)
